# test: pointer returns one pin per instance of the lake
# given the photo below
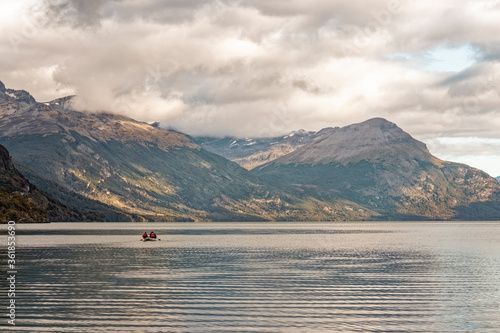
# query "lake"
(256, 277)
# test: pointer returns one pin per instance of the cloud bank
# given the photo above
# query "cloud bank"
(262, 68)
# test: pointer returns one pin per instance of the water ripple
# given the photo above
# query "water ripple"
(363, 280)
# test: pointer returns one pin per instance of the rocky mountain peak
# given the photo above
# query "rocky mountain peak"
(378, 122)
(20, 114)
(19, 96)
(373, 140)
(375, 126)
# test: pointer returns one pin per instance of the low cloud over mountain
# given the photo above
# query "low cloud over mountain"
(265, 68)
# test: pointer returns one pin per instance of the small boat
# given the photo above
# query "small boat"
(149, 239)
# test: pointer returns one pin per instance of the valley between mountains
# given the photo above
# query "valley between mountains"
(68, 165)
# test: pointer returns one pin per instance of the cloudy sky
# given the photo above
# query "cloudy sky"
(267, 67)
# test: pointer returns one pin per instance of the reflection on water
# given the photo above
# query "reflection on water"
(259, 278)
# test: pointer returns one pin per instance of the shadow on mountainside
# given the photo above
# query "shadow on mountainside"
(486, 210)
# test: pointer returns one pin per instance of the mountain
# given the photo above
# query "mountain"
(126, 170)
(380, 167)
(21, 201)
(252, 152)
(141, 171)
(498, 178)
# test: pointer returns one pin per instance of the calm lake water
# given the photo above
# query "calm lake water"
(256, 277)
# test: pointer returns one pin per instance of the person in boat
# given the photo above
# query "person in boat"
(144, 235)
(152, 234)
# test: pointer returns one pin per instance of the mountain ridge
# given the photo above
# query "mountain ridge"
(376, 164)
(370, 140)
(252, 152)
(136, 171)
(143, 171)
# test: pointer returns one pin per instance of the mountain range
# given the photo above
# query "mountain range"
(120, 169)
(252, 152)
(130, 170)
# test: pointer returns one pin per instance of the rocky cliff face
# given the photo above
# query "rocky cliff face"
(15, 192)
(378, 165)
(11, 179)
(21, 201)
